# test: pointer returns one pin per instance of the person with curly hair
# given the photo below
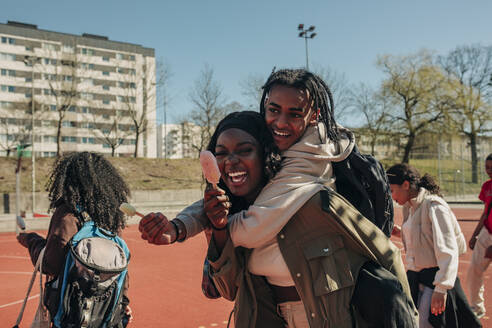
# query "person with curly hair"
(79, 183)
(433, 241)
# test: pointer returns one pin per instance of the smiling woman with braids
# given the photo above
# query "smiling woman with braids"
(79, 183)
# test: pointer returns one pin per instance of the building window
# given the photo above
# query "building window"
(132, 57)
(120, 56)
(86, 51)
(120, 70)
(105, 101)
(106, 116)
(87, 81)
(69, 139)
(8, 72)
(120, 98)
(87, 96)
(87, 140)
(69, 124)
(105, 58)
(8, 40)
(49, 139)
(105, 73)
(68, 49)
(7, 88)
(67, 78)
(132, 71)
(5, 56)
(105, 87)
(53, 108)
(105, 145)
(49, 46)
(6, 104)
(72, 109)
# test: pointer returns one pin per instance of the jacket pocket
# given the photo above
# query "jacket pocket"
(332, 279)
(329, 264)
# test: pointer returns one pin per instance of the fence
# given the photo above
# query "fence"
(452, 168)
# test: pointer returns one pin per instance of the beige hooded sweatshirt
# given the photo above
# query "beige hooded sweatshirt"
(306, 168)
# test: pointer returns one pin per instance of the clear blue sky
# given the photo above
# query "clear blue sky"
(238, 38)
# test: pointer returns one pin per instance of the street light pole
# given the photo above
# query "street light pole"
(31, 60)
(306, 34)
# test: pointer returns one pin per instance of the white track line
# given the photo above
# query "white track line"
(14, 257)
(20, 301)
(15, 272)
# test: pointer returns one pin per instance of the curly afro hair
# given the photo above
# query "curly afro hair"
(87, 182)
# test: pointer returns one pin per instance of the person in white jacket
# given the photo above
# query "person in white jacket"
(298, 109)
(433, 241)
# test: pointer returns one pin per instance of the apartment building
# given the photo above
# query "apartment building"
(81, 92)
(178, 140)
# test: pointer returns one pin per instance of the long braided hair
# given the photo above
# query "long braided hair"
(319, 93)
(87, 182)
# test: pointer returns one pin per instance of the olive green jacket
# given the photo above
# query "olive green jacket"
(324, 245)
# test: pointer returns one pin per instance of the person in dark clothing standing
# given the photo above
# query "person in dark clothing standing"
(79, 183)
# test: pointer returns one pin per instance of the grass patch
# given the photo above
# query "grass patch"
(139, 173)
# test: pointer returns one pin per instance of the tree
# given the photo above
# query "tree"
(206, 96)
(410, 87)
(59, 85)
(374, 108)
(469, 69)
(112, 133)
(338, 84)
(12, 133)
(138, 98)
(252, 89)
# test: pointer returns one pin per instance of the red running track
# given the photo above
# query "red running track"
(165, 281)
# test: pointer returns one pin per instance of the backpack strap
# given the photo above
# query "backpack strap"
(37, 268)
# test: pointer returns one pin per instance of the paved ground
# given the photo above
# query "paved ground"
(165, 281)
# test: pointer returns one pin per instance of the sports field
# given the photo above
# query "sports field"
(165, 281)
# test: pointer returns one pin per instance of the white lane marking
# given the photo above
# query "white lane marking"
(20, 301)
(14, 257)
(15, 272)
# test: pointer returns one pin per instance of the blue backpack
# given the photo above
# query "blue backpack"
(88, 293)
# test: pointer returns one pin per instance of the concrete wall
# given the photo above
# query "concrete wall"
(169, 202)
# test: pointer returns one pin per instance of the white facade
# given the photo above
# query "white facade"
(101, 84)
(177, 140)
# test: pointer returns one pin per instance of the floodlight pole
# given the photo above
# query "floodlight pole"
(31, 60)
(306, 34)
